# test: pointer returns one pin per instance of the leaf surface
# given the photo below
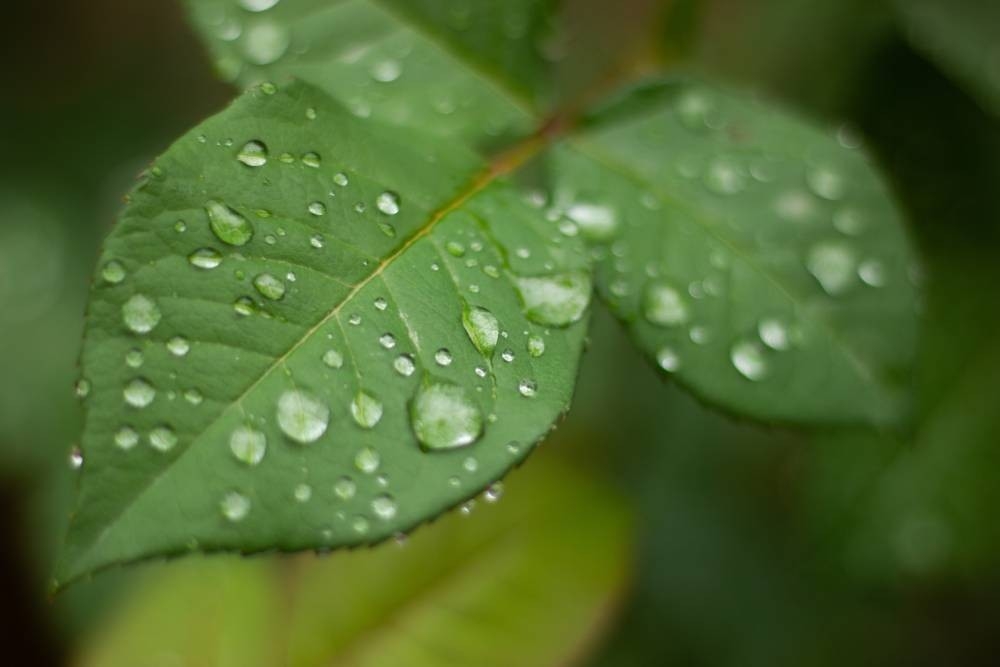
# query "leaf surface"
(758, 260)
(318, 348)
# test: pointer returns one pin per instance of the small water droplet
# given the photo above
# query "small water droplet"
(178, 346)
(265, 42)
(248, 445)
(340, 179)
(302, 417)
(668, 359)
(269, 287)
(333, 359)
(663, 305)
(162, 438)
(205, 258)
(253, 154)
(557, 300)
(126, 438)
(345, 488)
(388, 203)
(139, 393)
(366, 410)
(317, 208)
(235, 506)
(244, 306)
(381, 304)
(494, 492)
(872, 273)
(527, 388)
(507, 355)
(386, 71)
(354, 319)
(826, 183)
(75, 458)
(113, 272)
(597, 223)
(367, 460)
(404, 365)
(194, 397)
(387, 340)
(482, 327)
(444, 416)
(536, 346)
(748, 359)
(725, 177)
(455, 249)
(384, 506)
(316, 241)
(443, 357)
(312, 160)
(360, 525)
(134, 358)
(832, 264)
(141, 314)
(774, 334)
(302, 493)
(82, 388)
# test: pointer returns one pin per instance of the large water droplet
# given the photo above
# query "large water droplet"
(253, 154)
(774, 334)
(235, 506)
(483, 328)
(748, 359)
(388, 203)
(832, 264)
(366, 410)
(312, 160)
(558, 300)
(317, 208)
(444, 416)
(663, 305)
(139, 393)
(228, 226)
(248, 445)
(269, 287)
(265, 42)
(598, 223)
(302, 416)
(141, 314)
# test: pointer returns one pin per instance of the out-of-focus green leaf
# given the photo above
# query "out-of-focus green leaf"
(963, 38)
(755, 258)
(313, 333)
(529, 581)
(468, 71)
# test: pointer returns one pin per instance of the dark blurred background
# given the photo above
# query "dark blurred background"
(755, 546)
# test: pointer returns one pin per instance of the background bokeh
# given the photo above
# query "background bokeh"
(753, 545)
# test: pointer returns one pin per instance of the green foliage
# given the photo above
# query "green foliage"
(387, 606)
(326, 317)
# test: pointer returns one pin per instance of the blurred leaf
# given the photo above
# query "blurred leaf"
(444, 66)
(963, 38)
(530, 581)
(758, 260)
(323, 316)
(681, 27)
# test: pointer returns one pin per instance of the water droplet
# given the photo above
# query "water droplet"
(360, 525)
(345, 488)
(872, 273)
(443, 357)
(162, 438)
(248, 445)
(387, 340)
(340, 179)
(725, 177)
(354, 319)
(302, 417)
(507, 355)
(265, 42)
(366, 410)
(303, 492)
(235, 506)
(536, 346)
(832, 264)
(193, 396)
(527, 388)
(381, 304)
(367, 460)
(75, 458)
(312, 160)
(748, 359)
(668, 359)
(311, 113)
(494, 492)
(404, 365)
(141, 314)
(384, 506)
(333, 359)
(139, 393)
(558, 300)
(692, 109)
(598, 223)
(774, 334)
(253, 154)
(444, 416)
(482, 327)
(699, 335)
(849, 221)
(126, 438)
(386, 71)
(316, 241)
(82, 388)
(228, 226)
(663, 305)
(134, 358)
(455, 249)
(113, 272)
(244, 306)
(178, 346)
(257, 5)
(269, 287)
(205, 258)
(317, 208)
(826, 183)
(388, 203)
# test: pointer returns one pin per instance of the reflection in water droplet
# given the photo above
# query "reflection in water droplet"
(141, 314)
(774, 334)
(302, 417)
(366, 410)
(228, 226)
(162, 438)
(248, 445)
(253, 154)
(748, 359)
(113, 272)
(388, 203)
(205, 258)
(482, 327)
(444, 416)
(384, 506)
(663, 305)
(235, 506)
(558, 300)
(404, 365)
(367, 460)
(832, 264)
(139, 393)
(269, 287)
(668, 360)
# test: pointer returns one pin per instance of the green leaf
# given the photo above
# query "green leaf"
(758, 260)
(277, 350)
(439, 65)
(455, 592)
(963, 38)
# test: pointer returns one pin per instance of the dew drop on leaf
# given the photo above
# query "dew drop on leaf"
(443, 357)
(235, 506)
(536, 346)
(248, 445)
(126, 438)
(253, 154)
(557, 300)
(345, 488)
(265, 42)
(444, 416)
(527, 388)
(663, 305)
(748, 359)
(333, 359)
(139, 393)
(366, 410)
(832, 264)
(228, 226)
(387, 340)
(257, 5)
(388, 203)
(774, 334)
(162, 438)
(317, 208)
(367, 460)
(269, 287)
(384, 507)
(178, 346)
(302, 416)
(668, 359)
(312, 160)
(404, 365)
(113, 272)
(205, 258)
(482, 327)
(141, 314)
(302, 493)
(598, 223)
